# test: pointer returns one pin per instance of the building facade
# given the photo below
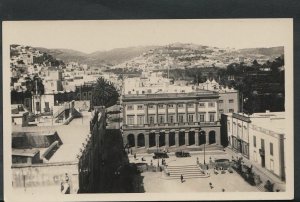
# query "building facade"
(260, 138)
(170, 119)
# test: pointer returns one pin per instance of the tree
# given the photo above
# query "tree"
(104, 93)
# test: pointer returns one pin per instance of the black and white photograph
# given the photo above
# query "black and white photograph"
(148, 109)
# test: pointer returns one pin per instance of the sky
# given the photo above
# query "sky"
(90, 36)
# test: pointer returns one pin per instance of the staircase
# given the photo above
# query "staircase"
(188, 172)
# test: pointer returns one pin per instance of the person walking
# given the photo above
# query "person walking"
(181, 178)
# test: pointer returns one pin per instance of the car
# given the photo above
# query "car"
(159, 155)
(182, 154)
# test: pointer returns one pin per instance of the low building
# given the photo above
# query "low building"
(19, 115)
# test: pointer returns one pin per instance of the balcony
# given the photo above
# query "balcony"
(262, 152)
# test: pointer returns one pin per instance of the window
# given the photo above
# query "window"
(202, 117)
(231, 101)
(220, 101)
(150, 106)
(190, 105)
(191, 118)
(211, 117)
(151, 119)
(129, 107)
(140, 120)
(180, 118)
(160, 106)
(149, 91)
(130, 120)
(254, 141)
(202, 104)
(231, 110)
(180, 105)
(171, 119)
(271, 149)
(139, 107)
(262, 143)
(170, 105)
(161, 119)
(211, 104)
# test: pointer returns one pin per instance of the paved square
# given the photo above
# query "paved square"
(154, 182)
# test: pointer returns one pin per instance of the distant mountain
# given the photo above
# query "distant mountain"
(264, 51)
(158, 53)
(114, 56)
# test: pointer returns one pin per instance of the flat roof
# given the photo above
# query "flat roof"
(275, 124)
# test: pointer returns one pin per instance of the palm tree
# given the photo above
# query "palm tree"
(104, 93)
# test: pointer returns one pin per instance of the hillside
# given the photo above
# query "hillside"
(114, 56)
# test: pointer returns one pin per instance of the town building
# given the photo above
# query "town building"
(229, 97)
(44, 158)
(260, 138)
(162, 115)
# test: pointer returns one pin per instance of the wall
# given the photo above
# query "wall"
(260, 133)
(47, 174)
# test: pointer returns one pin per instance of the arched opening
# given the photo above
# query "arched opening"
(151, 139)
(212, 137)
(191, 137)
(141, 140)
(202, 138)
(130, 140)
(181, 138)
(172, 139)
(162, 139)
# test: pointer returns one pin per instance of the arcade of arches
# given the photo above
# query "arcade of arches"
(171, 138)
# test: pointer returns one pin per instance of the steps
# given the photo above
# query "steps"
(188, 172)
(261, 187)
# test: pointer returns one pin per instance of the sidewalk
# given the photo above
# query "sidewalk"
(264, 174)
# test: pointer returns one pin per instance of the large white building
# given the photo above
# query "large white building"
(260, 138)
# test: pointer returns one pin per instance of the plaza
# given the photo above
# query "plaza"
(157, 182)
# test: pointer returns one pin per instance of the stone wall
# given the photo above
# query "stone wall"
(47, 174)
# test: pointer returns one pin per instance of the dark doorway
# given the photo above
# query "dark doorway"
(212, 137)
(172, 138)
(151, 139)
(162, 139)
(141, 140)
(202, 138)
(191, 137)
(130, 140)
(181, 138)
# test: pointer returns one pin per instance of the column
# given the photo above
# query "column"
(186, 138)
(177, 138)
(186, 113)
(196, 137)
(207, 137)
(166, 120)
(176, 113)
(167, 138)
(157, 139)
(146, 113)
(196, 112)
(135, 141)
(156, 113)
(146, 140)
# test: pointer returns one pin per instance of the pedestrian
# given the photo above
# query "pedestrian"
(134, 155)
(181, 178)
(223, 190)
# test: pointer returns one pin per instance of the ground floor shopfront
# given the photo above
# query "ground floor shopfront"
(171, 137)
